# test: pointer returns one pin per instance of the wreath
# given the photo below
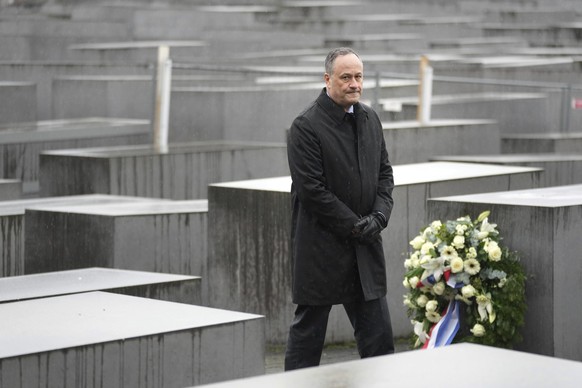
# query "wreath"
(463, 285)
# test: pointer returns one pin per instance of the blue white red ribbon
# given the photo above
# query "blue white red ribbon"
(443, 332)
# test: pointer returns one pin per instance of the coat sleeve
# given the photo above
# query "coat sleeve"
(384, 202)
(309, 182)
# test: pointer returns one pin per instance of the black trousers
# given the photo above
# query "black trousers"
(372, 331)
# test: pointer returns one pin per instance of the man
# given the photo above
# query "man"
(342, 199)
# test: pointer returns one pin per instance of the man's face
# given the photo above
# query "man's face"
(345, 84)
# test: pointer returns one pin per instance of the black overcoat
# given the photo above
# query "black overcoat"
(337, 177)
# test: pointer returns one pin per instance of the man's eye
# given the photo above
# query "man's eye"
(346, 78)
(359, 77)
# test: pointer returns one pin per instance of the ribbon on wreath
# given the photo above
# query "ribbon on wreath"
(452, 280)
(443, 332)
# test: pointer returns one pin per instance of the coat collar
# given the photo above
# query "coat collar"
(336, 111)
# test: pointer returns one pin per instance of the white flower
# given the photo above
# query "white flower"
(406, 283)
(426, 247)
(472, 253)
(431, 305)
(417, 242)
(468, 291)
(502, 282)
(482, 235)
(415, 262)
(485, 229)
(485, 307)
(432, 316)
(413, 281)
(457, 265)
(421, 301)
(407, 302)
(436, 225)
(483, 215)
(460, 229)
(424, 259)
(493, 250)
(439, 288)
(472, 267)
(478, 330)
(434, 267)
(448, 253)
(419, 331)
(408, 264)
(458, 242)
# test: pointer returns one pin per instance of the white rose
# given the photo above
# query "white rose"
(457, 265)
(426, 247)
(458, 242)
(421, 300)
(417, 242)
(431, 305)
(478, 330)
(495, 254)
(408, 264)
(435, 225)
(413, 281)
(406, 284)
(468, 291)
(439, 288)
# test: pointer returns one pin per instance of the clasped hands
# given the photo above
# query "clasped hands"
(367, 228)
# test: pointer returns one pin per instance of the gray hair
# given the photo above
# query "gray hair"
(333, 54)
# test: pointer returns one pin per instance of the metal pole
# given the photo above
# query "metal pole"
(377, 91)
(162, 103)
(424, 91)
(566, 107)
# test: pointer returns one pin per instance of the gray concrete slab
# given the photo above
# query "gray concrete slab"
(18, 101)
(136, 51)
(547, 33)
(248, 257)
(507, 368)
(47, 38)
(10, 189)
(153, 236)
(229, 113)
(162, 286)
(513, 67)
(559, 169)
(413, 142)
(514, 112)
(187, 22)
(123, 341)
(542, 226)
(130, 96)
(21, 143)
(42, 74)
(555, 142)
(389, 41)
(182, 173)
(12, 225)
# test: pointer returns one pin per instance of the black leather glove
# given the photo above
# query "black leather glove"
(367, 228)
